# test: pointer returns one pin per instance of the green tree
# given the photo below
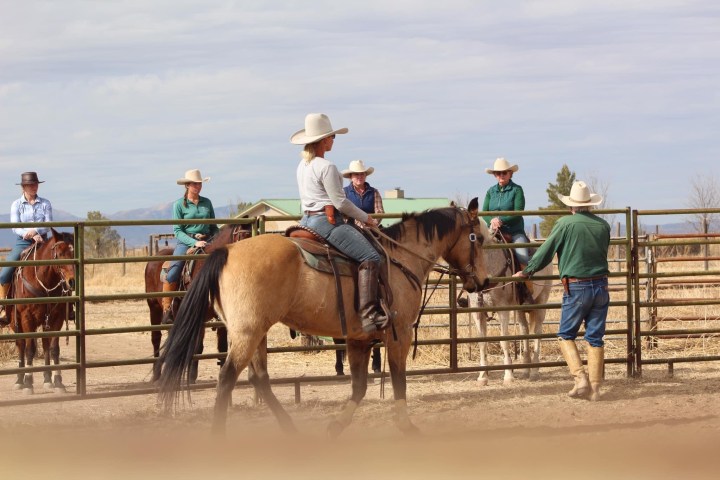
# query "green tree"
(101, 241)
(238, 206)
(563, 183)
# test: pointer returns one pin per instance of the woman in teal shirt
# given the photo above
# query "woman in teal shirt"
(507, 195)
(190, 207)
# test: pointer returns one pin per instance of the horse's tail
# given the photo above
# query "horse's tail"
(177, 352)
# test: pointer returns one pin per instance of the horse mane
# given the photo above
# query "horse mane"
(435, 223)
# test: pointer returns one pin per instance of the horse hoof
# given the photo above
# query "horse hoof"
(59, 389)
(28, 391)
(508, 380)
(48, 386)
(524, 375)
(334, 429)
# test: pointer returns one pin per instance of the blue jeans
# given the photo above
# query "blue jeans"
(173, 275)
(342, 236)
(522, 254)
(586, 301)
(7, 272)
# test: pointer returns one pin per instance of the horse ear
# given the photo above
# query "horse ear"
(473, 206)
(452, 203)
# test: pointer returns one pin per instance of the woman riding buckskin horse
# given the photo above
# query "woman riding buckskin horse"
(324, 204)
(191, 207)
(28, 208)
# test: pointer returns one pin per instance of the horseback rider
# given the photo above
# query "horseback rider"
(191, 206)
(509, 196)
(28, 208)
(324, 204)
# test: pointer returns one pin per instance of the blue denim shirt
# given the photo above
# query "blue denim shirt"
(22, 211)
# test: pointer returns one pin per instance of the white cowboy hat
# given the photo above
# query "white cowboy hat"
(501, 165)
(580, 196)
(192, 176)
(317, 127)
(357, 166)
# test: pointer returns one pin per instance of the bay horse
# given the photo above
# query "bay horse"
(227, 234)
(500, 263)
(38, 281)
(264, 280)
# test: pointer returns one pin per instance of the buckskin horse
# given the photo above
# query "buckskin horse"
(500, 263)
(264, 280)
(37, 281)
(227, 234)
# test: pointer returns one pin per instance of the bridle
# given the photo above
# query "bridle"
(469, 270)
(62, 282)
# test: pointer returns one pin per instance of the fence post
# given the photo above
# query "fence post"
(124, 254)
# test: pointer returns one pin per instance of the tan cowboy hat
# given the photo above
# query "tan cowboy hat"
(501, 165)
(317, 127)
(357, 166)
(192, 176)
(29, 178)
(580, 196)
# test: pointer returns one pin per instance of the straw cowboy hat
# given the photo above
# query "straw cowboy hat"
(317, 127)
(580, 196)
(192, 176)
(357, 166)
(29, 178)
(501, 165)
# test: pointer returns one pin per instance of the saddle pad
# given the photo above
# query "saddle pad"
(316, 256)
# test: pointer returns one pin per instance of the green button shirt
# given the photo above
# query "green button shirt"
(508, 198)
(581, 242)
(202, 210)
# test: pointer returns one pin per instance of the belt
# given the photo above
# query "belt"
(588, 279)
(319, 212)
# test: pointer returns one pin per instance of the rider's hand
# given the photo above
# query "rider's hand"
(30, 234)
(371, 222)
(495, 223)
(520, 274)
(38, 238)
(200, 244)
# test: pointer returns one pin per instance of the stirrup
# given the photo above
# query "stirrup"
(377, 322)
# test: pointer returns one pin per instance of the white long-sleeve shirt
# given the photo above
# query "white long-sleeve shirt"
(320, 184)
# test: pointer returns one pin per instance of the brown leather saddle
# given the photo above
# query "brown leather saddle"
(318, 254)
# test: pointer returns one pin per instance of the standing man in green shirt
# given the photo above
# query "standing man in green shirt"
(581, 241)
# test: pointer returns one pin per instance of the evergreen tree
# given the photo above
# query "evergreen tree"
(563, 183)
(101, 241)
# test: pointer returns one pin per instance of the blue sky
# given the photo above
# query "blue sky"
(112, 101)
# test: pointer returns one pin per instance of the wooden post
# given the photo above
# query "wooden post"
(124, 254)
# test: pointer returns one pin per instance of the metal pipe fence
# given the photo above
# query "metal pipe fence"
(634, 292)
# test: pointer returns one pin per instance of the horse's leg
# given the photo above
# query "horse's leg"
(30, 350)
(155, 337)
(521, 317)
(222, 344)
(47, 374)
(480, 319)
(339, 356)
(198, 350)
(504, 318)
(396, 354)
(240, 352)
(259, 378)
(57, 383)
(358, 353)
(20, 382)
(536, 322)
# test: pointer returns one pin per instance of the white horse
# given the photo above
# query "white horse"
(500, 263)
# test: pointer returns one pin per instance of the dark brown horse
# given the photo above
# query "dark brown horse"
(38, 281)
(227, 234)
(264, 280)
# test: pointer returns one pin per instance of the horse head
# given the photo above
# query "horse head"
(61, 246)
(465, 255)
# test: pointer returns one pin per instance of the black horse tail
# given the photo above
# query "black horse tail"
(177, 353)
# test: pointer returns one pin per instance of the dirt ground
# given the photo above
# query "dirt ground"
(657, 426)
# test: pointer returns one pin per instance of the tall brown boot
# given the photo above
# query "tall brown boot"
(596, 370)
(5, 287)
(572, 358)
(167, 303)
(372, 317)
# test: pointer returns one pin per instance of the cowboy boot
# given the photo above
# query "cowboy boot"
(5, 287)
(572, 358)
(596, 370)
(167, 317)
(372, 317)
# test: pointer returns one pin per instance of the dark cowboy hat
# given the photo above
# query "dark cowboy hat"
(28, 178)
